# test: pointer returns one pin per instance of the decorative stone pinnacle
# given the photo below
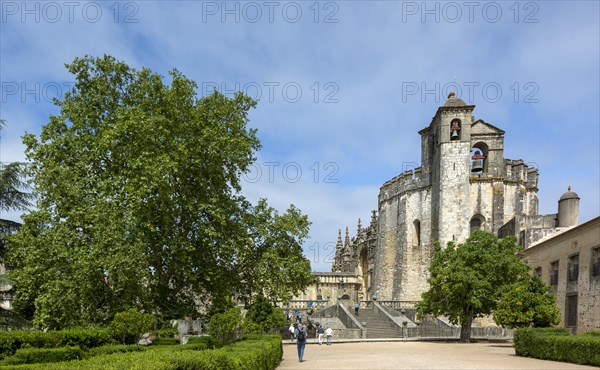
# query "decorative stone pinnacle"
(347, 241)
(569, 188)
(451, 95)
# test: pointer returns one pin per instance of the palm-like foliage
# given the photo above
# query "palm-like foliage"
(13, 197)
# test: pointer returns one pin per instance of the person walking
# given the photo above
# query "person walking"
(320, 333)
(292, 332)
(356, 308)
(301, 340)
(328, 334)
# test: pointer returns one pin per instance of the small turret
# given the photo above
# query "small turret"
(568, 209)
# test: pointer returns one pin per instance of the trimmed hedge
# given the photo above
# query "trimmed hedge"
(110, 349)
(252, 354)
(558, 344)
(44, 355)
(165, 341)
(210, 342)
(11, 341)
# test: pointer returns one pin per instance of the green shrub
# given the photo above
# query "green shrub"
(128, 326)
(224, 326)
(165, 341)
(262, 353)
(11, 341)
(262, 316)
(558, 344)
(44, 355)
(166, 333)
(116, 348)
(209, 342)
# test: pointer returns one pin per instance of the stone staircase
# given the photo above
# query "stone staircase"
(376, 326)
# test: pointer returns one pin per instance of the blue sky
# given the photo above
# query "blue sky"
(344, 86)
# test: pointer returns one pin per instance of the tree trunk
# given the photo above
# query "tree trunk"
(465, 328)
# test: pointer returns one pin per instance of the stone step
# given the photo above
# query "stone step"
(376, 326)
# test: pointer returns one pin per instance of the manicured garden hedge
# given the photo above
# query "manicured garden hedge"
(11, 341)
(258, 352)
(44, 355)
(558, 344)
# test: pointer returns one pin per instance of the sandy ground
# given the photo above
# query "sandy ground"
(414, 355)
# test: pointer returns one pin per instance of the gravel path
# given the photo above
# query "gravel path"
(414, 355)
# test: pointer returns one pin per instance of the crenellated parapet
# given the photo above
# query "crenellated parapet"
(407, 181)
(519, 171)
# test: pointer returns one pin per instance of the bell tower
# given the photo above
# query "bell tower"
(450, 170)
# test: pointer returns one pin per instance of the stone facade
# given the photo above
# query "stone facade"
(569, 261)
(464, 183)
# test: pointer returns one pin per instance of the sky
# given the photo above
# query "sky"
(343, 87)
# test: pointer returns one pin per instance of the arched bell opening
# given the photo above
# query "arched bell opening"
(455, 126)
(479, 154)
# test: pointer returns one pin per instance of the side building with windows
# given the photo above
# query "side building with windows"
(569, 261)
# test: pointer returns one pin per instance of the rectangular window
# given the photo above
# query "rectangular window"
(538, 271)
(571, 311)
(554, 274)
(573, 268)
(595, 263)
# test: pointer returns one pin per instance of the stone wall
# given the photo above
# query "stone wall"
(582, 241)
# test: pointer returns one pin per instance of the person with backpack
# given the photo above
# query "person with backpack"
(301, 336)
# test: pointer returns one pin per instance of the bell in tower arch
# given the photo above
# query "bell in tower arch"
(477, 162)
(455, 129)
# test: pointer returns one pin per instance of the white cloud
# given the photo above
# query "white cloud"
(373, 49)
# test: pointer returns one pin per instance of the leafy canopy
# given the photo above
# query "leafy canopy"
(264, 314)
(139, 203)
(527, 303)
(467, 280)
(128, 326)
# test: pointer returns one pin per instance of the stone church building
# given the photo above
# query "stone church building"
(464, 183)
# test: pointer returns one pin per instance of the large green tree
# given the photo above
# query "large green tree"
(139, 201)
(467, 280)
(527, 303)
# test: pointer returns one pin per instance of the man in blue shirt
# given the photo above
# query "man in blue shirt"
(301, 335)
